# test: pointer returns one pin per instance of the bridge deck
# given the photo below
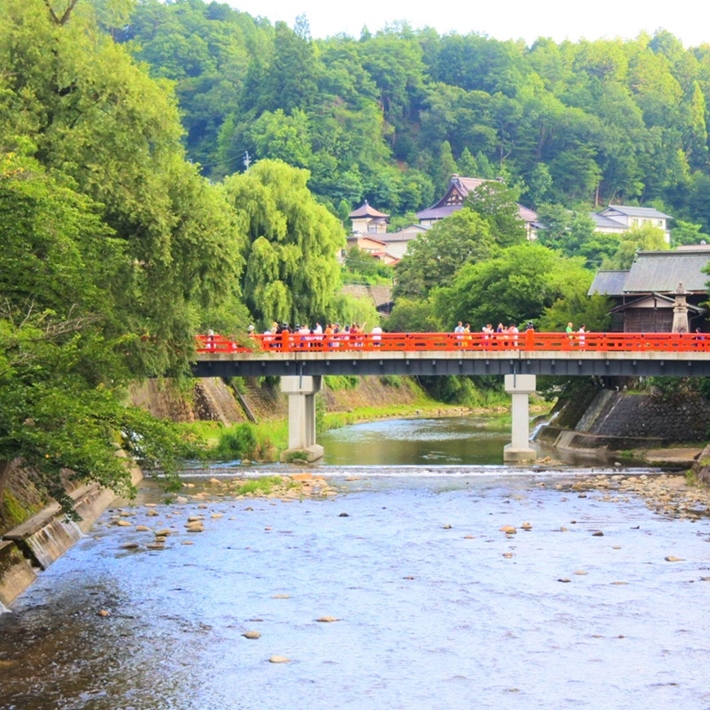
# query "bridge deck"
(610, 354)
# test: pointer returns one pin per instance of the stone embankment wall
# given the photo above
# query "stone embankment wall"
(213, 399)
(602, 418)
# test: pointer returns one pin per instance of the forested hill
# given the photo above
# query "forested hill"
(388, 117)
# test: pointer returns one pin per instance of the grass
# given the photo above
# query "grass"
(263, 486)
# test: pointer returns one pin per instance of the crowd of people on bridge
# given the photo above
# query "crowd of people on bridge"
(333, 333)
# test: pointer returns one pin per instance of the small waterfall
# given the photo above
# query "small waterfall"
(4, 609)
(538, 427)
(51, 541)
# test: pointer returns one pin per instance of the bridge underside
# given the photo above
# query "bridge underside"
(564, 364)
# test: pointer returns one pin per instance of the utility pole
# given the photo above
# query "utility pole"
(247, 160)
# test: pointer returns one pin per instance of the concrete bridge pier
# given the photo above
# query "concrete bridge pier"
(520, 387)
(301, 393)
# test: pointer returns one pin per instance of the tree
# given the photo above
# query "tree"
(292, 273)
(412, 316)
(281, 137)
(687, 233)
(513, 287)
(65, 349)
(77, 102)
(577, 307)
(497, 205)
(572, 233)
(645, 238)
(363, 267)
(433, 258)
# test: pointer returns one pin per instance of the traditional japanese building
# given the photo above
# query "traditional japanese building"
(618, 219)
(456, 193)
(646, 295)
(367, 220)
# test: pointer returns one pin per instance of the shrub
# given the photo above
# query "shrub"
(236, 443)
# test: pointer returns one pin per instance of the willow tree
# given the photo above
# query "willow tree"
(292, 273)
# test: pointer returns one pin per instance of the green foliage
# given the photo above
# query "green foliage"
(514, 287)
(389, 117)
(578, 308)
(463, 391)
(646, 238)
(114, 245)
(394, 381)
(291, 270)
(435, 256)
(238, 442)
(410, 316)
(497, 206)
(361, 267)
(572, 233)
(260, 486)
(686, 233)
(341, 382)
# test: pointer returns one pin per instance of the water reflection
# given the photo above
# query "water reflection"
(452, 440)
(468, 440)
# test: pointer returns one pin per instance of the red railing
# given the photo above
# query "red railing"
(496, 342)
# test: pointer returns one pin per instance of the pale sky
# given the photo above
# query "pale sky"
(688, 20)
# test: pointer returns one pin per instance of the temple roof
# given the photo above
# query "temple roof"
(657, 272)
(457, 191)
(631, 211)
(366, 211)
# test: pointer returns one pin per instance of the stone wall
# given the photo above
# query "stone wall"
(213, 399)
(621, 420)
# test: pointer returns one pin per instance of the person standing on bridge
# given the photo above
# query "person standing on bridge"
(570, 330)
(376, 336)
(459, 332)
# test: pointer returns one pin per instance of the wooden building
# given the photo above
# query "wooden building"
(645, 295)
(456, 193)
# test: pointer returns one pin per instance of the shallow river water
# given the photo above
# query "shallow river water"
(436, 607)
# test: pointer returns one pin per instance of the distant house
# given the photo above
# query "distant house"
(617, 219)
(457, 191)
(368, 220)
(397, 242)
(644, 296)
(377, 248)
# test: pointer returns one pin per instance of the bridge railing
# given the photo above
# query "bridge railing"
(529, 341)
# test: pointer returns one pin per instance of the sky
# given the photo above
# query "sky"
(688, 20)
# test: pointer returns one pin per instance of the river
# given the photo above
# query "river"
(429, 604)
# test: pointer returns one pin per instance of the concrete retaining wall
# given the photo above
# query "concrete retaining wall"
(31, 547)
(619, 421)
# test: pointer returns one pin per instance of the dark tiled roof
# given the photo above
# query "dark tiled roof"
(464, 185)
(526, 214)
(663, 270)
(438, 212)
(608, 283)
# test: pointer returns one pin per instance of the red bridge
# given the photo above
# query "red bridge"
(529, 341)
(623, 354)
(302, 360)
